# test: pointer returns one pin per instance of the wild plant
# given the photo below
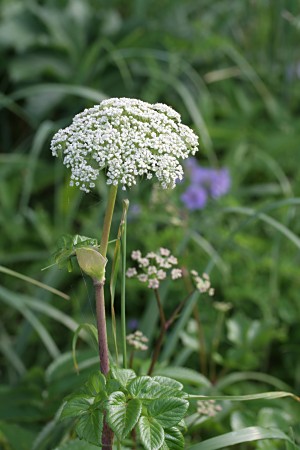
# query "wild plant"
(129, 139)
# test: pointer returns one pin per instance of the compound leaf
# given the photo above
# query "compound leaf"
(151, 433)
(122, 414)
(168, 411)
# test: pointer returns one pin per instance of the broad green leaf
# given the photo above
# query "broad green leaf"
(113, 386)
(144, 387)
(151, 433)
(67, 245)
(248, 434)
(124, 376)
(170, 382)
(77, 405)
(166, 391)
(89, 426)
(77, 445)
(174, 439)
(96, 383)
(168, 411)
(122, 415)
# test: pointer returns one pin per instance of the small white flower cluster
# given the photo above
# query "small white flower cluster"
(208, 408)
(137, 340)
(128, 138)
(203, 283)
(153, 267)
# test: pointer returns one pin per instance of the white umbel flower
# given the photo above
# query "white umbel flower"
(128, 138)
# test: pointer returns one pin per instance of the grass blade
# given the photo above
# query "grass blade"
(15, 301)
(248, 434)
(33, 281)
(242, 398)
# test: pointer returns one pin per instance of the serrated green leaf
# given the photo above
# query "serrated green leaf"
(90, 425)
(170, 382)
(151, 433)
(248, 434)
(112, 386)
(168, 411)
(122, 415)
(124, 376)
(76, 405)
(165, 391)
(96, 384)
(144, 387)
(174, 439)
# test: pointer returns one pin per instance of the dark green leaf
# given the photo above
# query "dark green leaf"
(122, 414)
(170, 382)
(76, 405)
(168, 411)
(124, 376)
(96, 384)
(174, 439)
(144, 387)
(151, 433)
(89, 426)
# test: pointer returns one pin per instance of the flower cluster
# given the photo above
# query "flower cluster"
(137, 340)
(205, 183)
(128, 138)
(208, 408)
(203, 283)
(154, 267)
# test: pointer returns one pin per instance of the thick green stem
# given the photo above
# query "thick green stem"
(107, 219)
(107, 435)
(123, 296)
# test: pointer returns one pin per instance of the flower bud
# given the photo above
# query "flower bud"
(91, 262)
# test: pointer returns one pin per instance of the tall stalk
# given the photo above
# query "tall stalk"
(107, 435)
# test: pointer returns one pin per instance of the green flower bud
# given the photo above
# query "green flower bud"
(91, 262)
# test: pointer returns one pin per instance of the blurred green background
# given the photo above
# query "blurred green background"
(231, 68)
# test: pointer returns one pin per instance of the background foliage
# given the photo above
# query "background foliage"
(231, 68)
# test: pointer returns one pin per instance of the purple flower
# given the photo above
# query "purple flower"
(205, 183)
(220, 182)
(195, 197)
